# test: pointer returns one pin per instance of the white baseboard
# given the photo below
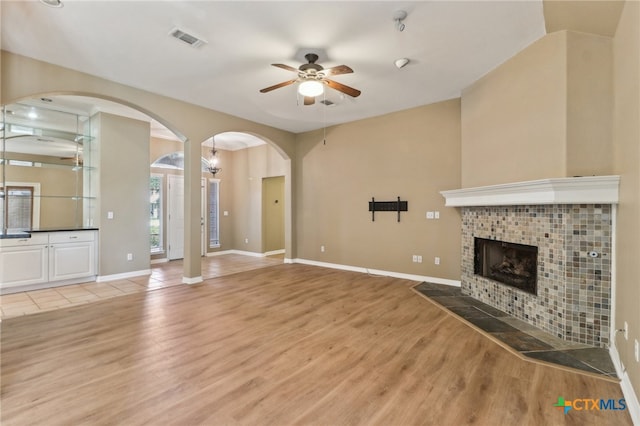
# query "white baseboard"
(191, 280)
(274, 252)
(411, 277)
(630, 396)
(122, 276)
(242, 252)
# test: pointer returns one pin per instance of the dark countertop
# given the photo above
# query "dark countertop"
(15, 235)
(65, 229)
(27, 234)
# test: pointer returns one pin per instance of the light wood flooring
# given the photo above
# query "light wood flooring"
(280, 345)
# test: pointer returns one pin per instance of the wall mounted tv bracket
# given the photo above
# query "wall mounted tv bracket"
(387, 206)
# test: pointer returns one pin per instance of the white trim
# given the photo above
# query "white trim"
(162, 260)
(289, 261)
(411, 277)
(274, 252)
(578, 190)
(242, 252)
(122, 276)
(205, 213)
(630, 397)
(192, 280)
(218, 253)
(614, 276)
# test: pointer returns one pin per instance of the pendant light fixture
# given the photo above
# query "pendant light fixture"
(213, 161)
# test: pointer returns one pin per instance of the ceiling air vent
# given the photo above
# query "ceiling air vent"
(327, 102)
(185, 37)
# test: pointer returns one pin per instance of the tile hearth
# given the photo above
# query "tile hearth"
(530, 341)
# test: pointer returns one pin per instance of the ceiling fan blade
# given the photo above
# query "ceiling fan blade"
(309, 100)
(277, 86)
(343, 88)
(340, 69)
(285, 67)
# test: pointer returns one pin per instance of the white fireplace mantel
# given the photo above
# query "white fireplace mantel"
(574, 190)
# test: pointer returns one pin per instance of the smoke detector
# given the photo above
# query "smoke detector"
(401, 63)
(52, 3)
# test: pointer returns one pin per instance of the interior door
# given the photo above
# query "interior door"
(175, 221)
(273, 213)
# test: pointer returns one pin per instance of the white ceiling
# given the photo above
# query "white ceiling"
(450, 45)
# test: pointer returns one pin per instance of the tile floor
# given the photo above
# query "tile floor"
(162, 275)
(522, 337)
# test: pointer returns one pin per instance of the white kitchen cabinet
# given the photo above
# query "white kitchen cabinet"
(47, 259)
(23, 261)
(71, 255)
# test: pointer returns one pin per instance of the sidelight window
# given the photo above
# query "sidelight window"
(155, 213)
(214, 217)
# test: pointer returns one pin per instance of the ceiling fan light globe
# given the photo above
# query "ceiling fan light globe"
(311, 88)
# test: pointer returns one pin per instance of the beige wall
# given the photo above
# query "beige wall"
(413, 154)
(514, 118)
(123, 144)
(626, 148)
(544, 113)
(589, 104)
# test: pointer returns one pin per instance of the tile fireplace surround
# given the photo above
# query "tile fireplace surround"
(571, 221)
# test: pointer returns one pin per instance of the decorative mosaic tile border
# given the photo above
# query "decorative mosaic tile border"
(574, 288)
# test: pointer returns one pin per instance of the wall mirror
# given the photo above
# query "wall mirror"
(48, 173)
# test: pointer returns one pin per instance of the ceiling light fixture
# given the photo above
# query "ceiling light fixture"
(311, 87)
(52, 3)
(399, 16)
(213, 161)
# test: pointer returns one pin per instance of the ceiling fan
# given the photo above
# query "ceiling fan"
(312, 78)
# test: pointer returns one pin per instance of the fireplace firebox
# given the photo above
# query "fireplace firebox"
(512, 264)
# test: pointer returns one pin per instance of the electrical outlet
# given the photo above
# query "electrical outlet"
(436, 261)
(430, 215)
(109, 215)
(246, 241)
(129, 256)
(436, 215)
(322, 249)
(636, 348)
(625, 330)
(419, 258)
(414, 258)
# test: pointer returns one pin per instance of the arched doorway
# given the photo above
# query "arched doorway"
(250, 171)
(195, 122)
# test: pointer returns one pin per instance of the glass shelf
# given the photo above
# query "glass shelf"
(24, 163)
